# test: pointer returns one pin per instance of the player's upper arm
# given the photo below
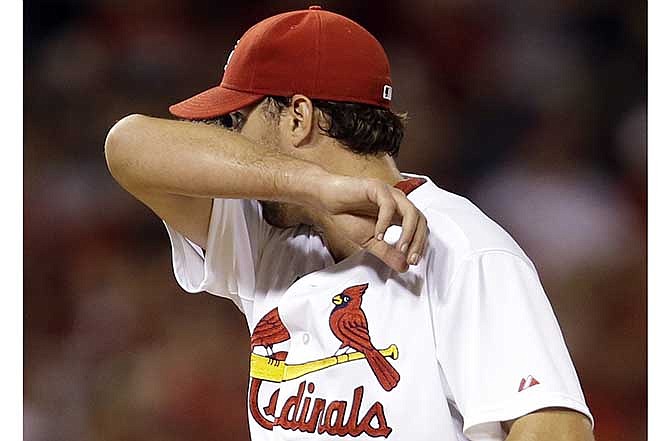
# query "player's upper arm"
(496, 314)
(188, 215)
(550, 424)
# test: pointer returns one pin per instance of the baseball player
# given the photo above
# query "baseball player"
(363, 325)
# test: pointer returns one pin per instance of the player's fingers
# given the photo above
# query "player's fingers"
(387, 209)
(410, 218)
(388, 254)
(418, 246)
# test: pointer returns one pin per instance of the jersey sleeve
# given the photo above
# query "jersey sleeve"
(500, 346)
(227, 267)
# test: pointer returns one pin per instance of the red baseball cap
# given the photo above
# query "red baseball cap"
(312, 52)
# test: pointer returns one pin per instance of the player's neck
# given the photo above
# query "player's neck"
(339, 160)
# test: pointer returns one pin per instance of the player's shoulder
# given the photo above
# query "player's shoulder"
(457, 226)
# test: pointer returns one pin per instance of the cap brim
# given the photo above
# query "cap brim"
(213, 102)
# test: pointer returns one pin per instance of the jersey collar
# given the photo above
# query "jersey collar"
(410, 184)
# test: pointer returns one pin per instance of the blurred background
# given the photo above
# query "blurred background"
(535, 110)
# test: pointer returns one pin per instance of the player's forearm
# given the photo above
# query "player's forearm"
(552, 424)
(177, 157)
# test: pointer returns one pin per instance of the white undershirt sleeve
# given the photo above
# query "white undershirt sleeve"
(500, 345)
(227, 267)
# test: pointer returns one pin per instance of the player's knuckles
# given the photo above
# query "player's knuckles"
(386, 217)
(411, 220)
(416, 249)
(373, 193)
(409, 228)
(380, 190)
(397, 192)
(424, 244)
(421, 227)
(417, 243)
(390, 203)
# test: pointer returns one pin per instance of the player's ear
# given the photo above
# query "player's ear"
(303, 117)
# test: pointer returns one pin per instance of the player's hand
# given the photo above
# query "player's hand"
(386, 206)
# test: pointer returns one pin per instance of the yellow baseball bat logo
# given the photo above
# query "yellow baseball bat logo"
(268, 369)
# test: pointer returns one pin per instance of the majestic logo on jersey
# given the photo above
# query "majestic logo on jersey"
(305, 411)
(527, 382)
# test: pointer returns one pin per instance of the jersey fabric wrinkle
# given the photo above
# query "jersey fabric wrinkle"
(468, 324)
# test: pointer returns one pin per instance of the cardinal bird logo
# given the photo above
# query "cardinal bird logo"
(350, 326)
(269, 331)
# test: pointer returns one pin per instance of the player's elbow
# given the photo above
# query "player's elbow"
(120, 148)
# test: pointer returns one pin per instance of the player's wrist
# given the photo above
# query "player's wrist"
(304, 185)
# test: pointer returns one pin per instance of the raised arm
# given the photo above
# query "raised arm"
(177, 167)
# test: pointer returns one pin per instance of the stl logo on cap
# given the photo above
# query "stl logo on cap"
(387, 92)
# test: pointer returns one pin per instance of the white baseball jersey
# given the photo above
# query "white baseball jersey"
(354, 350)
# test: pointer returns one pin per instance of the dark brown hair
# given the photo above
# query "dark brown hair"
(363, 128)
